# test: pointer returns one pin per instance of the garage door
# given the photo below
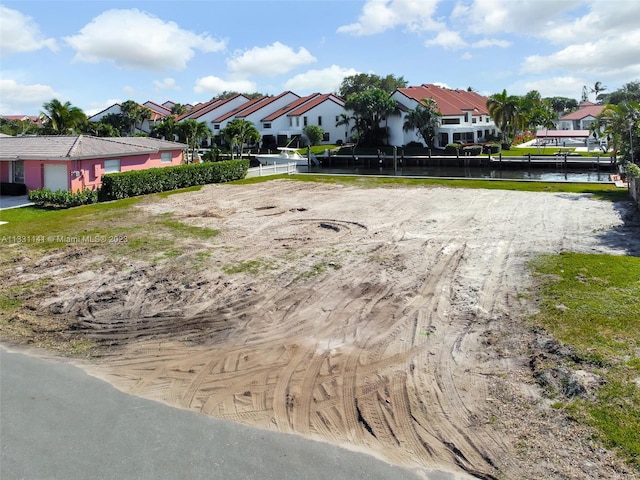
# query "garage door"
(55, 177)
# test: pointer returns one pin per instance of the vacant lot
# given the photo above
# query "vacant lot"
(387, 320)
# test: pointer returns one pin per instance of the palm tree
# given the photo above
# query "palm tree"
(622, 123)
(62, 118)
(370, 108)
(134, 114)
(597, 89)
(240, 132)
(344, 119)
(192, 133)
(425, 118)
(167, 128)
(503, 108)
(178, 109)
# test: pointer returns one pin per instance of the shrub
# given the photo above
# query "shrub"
(43, 197)
(472, 150)
(492, 148)
(452, 148)
(142, 182)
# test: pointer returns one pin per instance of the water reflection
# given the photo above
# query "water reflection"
(473, 172)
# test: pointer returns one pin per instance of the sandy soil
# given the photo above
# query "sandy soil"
(389, 321)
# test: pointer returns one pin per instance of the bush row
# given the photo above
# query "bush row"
(141, 182)
(454, 148)
(43, 197)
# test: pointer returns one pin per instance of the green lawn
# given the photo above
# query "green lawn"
(592, 303)
(598, 190)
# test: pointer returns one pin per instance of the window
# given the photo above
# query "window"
(466, 117)
(320, 121)
(451, 121)
(297, 121)
(266, 125)
(166, 157)
(291, 121)
(304, 121)
(112, 166)
(325, 137)
(474, 120)
(18, 171)
(216, 126)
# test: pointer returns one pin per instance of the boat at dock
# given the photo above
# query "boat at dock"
(286, 155)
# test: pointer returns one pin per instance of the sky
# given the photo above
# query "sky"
(95, 53)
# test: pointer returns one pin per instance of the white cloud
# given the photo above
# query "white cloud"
(380, 15)
(491, 42)
(325, 80)
(525, 17)
(448, 40)
(15, 97)
(602, 58)
(272, 60)
(166, 84)
(214, 85)
(138, 40)
(20, 33)
(466, 56)
(562, 86)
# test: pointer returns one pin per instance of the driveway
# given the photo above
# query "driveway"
(10, 201)
(60, 423)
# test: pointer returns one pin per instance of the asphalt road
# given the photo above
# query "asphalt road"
(57, 422)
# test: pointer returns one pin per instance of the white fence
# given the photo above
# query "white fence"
(276, 169)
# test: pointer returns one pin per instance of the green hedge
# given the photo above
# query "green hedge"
(43, 197)
(141, 182)
(472, 150)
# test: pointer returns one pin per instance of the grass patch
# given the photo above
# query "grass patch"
(251, 267)
(592, 302)
(598, 190)
(185, 230)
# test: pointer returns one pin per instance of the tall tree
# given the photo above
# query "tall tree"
(178, 109)
(622, 124)
(425, 118)
(62, 118)
(192, 133)
(167, 128)
(240, 132)
(503, 108)
(364, 81)
(370, 108)
(629, 92)
(134, 115)
(597, 90)
(314, 134)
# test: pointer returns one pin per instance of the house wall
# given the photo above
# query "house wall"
(471, 128)
(293, 125)
(90, 171)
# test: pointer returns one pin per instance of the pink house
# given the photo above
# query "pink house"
(77, 162)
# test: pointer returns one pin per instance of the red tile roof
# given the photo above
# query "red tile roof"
(267, 101)
(451, 102)
(203, 108)
(238, 110)
(288, 108)
(586, 109)
(314, 102)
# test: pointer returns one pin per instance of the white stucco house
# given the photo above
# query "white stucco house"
(465, 117)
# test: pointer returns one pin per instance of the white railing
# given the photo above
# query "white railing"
(276, 169)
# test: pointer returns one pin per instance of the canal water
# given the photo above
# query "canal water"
(536, 174)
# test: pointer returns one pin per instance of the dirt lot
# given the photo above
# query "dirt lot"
(386, 320)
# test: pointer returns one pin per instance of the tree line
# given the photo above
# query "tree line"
(368, 106)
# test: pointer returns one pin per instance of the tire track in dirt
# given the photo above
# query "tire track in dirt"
(379, 352)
